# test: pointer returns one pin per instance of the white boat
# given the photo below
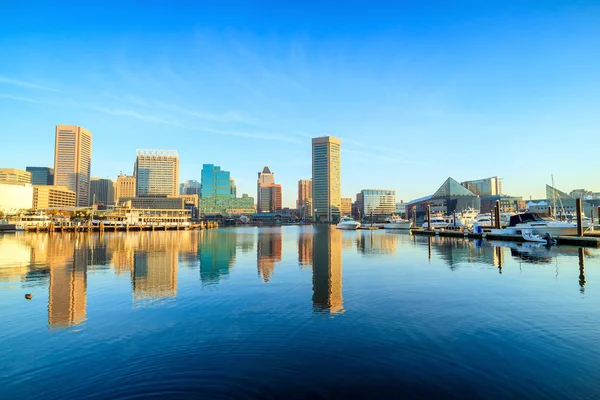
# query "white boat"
(39, 219)
(436, 222)
(348, 223)
(532, 222)
(528, 236)
(397, 223)
(467, 217)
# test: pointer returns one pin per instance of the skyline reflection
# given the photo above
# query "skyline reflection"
(153, 261)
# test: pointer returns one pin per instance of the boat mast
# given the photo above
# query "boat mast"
(553, 197)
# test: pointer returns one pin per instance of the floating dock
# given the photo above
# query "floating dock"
(127, 228)
(588, 240)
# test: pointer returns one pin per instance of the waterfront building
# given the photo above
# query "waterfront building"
(217, 194)
(270, 198)
(226, 205)
(60, 197)
(125, 187)
(157, 201)
(14, 176)
(378, 202)
(190, 187)
(346, 206)
(102, 191)
(215, 182)
(507, 203)
(41, 175)
(14, 198)
(401, 209)
(326, 179)
(449, 197)
(485, 187)
(156, 172)
(73, 161)
(265, 179)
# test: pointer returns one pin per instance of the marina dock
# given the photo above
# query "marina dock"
(588, 240)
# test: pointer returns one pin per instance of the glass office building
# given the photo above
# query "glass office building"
(378, 202)
(215, 182)
(41, 175)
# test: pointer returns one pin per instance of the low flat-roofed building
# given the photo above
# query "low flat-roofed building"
(15, 176)
(14, 198)
(45, 196)
(161, 202)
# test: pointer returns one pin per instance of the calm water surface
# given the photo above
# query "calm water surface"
(295, 312)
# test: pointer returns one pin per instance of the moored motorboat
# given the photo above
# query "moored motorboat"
(397, 223)
(436, 222)
(532, 222)
(348, 224)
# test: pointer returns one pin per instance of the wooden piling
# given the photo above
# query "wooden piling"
(497, 214)
(454, 219)
(428, 217)
(579, 218)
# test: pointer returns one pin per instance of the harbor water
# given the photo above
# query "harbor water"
(295, 312)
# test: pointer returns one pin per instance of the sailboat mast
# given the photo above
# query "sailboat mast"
(553, 197)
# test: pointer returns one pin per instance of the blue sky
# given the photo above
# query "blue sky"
(417, 91)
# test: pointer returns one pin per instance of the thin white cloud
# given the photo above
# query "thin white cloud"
(19, 98)
(25, 84)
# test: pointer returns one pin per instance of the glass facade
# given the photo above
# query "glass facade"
(215, 182)
(378, 202)
(41, 175)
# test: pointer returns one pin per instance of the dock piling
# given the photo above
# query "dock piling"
(579, 218)
(497, 224)
(428, 217)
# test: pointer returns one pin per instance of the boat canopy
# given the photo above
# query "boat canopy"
(521, 218)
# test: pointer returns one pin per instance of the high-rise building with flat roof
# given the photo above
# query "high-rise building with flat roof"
(304, 191)
(265, 178)
(378, 202)
(270, 198)
(215, 182)
(73, 161)
(41, 175)
(15, 176)
(326, 179)
(102, 191)
(125, 187)
(157, 172)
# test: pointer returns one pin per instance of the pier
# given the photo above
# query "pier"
(51, 228)
(591, 239)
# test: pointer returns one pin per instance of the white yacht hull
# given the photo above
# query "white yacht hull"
(398, 225)
(537, 230)
(348, 226)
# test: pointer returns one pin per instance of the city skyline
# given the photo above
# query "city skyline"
(393, 94)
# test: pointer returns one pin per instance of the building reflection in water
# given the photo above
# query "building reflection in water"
(217, 250)
(376, 243)
(268, 252)
(305, 248)
(154, 275)
(327, 270)
(67, 294)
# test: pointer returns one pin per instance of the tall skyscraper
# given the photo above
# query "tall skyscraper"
(102, 191)
(73, 161)
(265, 178)
(157, 172)
(215, 182)
(41, 175)
(125, 187)
(326, 179)
(304, 192)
